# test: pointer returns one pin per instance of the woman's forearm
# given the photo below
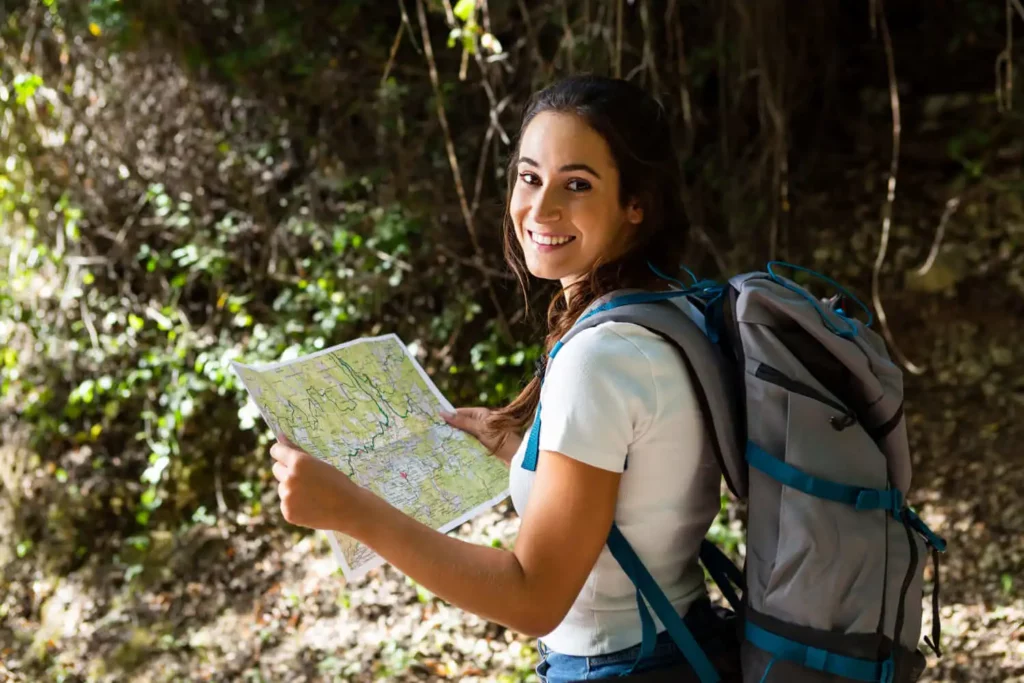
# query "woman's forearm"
(486, 581)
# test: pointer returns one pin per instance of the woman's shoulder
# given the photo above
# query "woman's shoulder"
(617, 338)
(616, 347)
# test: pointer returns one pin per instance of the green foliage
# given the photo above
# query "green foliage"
(25, 86)
(491, 363)
(470, 33)
(727, 531)
(117, 343)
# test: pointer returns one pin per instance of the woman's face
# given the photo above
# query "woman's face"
(565, 202)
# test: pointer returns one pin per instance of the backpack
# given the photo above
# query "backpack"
(804, 411)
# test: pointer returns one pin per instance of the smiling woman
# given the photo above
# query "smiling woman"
(593, 204)
(595, 163)
(565, 205)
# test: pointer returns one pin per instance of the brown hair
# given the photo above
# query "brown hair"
(637, 131)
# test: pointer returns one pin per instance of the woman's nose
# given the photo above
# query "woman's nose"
(547, 208)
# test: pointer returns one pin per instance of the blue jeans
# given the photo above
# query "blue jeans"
(559, 668)
(713, 628)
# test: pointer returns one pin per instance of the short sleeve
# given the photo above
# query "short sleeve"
(598, 395)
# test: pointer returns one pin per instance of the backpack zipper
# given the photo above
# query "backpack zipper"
(773, 376)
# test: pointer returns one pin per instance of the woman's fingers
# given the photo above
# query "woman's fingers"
(283, 453)
(464, 419)
(280, 471)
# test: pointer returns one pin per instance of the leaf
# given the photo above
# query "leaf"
(25, 86)
(247, 415)
(464, 9)
(95, 29)
(489, 42)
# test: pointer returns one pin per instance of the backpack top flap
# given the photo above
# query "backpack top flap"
(713, 376)
(854, 367)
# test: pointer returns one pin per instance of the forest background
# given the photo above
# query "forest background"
(187, 183)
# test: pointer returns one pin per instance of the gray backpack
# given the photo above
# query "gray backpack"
(804, 409)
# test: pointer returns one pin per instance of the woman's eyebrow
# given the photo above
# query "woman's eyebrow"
(564, 169)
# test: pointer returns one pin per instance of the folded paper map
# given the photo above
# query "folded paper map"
(369, 409)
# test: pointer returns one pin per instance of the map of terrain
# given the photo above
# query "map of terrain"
(369, 409)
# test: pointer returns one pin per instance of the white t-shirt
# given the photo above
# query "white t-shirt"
(614, 391)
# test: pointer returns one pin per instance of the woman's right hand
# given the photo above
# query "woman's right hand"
(473, 421)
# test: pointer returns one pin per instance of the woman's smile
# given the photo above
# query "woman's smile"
(548, 242)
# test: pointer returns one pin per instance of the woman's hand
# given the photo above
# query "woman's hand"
(313, 493)
(473, 421)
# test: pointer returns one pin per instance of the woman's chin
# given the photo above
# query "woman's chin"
(543, 271)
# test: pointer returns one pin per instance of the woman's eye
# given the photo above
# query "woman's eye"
(577, 185)
(529, 178)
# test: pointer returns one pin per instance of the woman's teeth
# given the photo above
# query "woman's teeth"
(550, 240)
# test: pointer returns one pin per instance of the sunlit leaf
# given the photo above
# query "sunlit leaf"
(464, 9)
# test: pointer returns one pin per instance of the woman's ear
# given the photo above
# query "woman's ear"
(635, 212)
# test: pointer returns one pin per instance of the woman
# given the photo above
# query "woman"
(593, 203)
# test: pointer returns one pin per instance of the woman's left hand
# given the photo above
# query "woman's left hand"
(313, 493)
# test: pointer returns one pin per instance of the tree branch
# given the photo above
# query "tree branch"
(618, 38)
(894, 103)
(394, 50)
(951, 207)
(531, 37)
(453, 161)
(568, 39)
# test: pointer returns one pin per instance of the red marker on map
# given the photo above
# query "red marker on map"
(404, 475)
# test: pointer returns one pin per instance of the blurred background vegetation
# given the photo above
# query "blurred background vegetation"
(187, 183)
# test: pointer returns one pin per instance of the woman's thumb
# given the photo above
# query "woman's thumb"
(463, 418)
(450, 417)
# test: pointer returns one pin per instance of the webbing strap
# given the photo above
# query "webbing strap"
(724, 572)
(938, 545)
(648, 587)
(533, 444)
(859, 497)
(648, 631)
(930, 537)
(713, 317)
(818, 659)
(641, 298)
(935, 641)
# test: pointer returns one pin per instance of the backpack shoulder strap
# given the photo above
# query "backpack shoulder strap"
(712, 374)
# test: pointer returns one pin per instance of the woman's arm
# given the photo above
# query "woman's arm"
(528, 589)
